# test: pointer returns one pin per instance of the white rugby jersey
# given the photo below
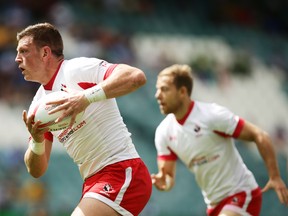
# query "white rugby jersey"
(99, 137)
(203, 140)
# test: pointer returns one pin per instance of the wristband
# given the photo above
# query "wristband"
(96, 93)
(36, 147)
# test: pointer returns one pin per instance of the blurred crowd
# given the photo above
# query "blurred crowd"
(84, 35)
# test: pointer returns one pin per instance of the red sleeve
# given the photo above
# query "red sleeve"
(171, 156)
(239, 128)
(47, 135)
(86, 85)
(109, 71)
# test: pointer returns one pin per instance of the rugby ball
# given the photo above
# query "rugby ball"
(41, 109)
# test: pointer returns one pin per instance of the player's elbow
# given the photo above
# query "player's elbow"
(139, 78)
(35, 173)
(262, 137)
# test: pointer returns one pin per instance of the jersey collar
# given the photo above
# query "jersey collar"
(182, 121)
(49, 85)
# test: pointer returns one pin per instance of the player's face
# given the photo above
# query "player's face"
(29, 59)
(167, 95)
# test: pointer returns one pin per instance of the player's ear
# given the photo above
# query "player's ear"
(183, 90)
(45, 52)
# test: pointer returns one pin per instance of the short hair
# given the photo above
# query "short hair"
(182, 76)
(44, 34)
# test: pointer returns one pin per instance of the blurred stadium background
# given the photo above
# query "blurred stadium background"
(239, 53)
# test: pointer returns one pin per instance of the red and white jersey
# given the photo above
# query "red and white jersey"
(99, 137)
(203, 140)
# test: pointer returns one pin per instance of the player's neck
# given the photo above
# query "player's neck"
(53, 68)
(184, 110)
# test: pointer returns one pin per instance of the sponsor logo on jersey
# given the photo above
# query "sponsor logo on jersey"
(66, 134)
(203, 160)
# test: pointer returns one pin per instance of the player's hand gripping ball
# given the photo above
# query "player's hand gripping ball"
(41, 109)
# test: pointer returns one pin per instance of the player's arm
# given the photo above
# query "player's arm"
(123, 80)
(265, 147)
(165, 178)
(37, 155)
(37, 164)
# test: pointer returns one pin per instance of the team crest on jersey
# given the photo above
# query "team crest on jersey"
(197, 128)
(63, 86)
(104, 64)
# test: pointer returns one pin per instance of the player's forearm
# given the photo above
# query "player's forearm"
(268, 154)
(35, 164)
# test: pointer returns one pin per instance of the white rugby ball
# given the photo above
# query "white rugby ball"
(41, 110)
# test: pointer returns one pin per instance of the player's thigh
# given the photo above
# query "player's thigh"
(229, 213)
(93, 207)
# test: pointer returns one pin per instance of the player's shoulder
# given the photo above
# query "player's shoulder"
(167, 121)
(207, 106)
(79, 67)
(79, 62)
(211, 113)
(203, 104)
(207, 111)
